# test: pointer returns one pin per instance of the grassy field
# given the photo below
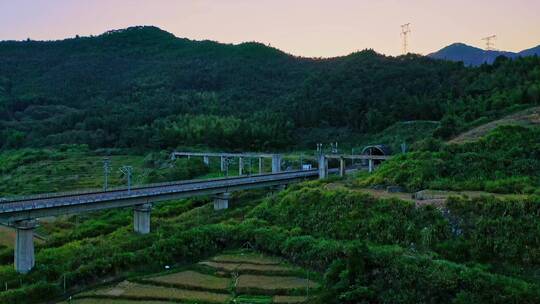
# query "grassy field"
(44, 171)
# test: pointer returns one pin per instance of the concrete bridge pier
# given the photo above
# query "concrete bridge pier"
(276, 163)
(240, 165)
(24, 246)
(371, 165)
(222, 160)
(323, 166)
(141, 218)
(342, 167)
(206, 160)
(221, 201)
(260, 165)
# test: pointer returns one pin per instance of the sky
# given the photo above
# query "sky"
(311, 28)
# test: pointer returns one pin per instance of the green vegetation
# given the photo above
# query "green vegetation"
(128, 94)
(144, 89)
(74, 167)
(368, 250)
(507, 160)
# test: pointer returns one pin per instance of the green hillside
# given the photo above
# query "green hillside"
(506, 160)
(364, 249)
(143, 88)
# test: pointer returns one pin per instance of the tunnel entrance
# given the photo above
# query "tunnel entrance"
(381, 150)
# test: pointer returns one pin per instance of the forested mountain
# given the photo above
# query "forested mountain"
(144, 88)
(473, 56)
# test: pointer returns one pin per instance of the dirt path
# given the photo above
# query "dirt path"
(430, 197)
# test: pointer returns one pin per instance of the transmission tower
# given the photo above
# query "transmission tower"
(405, 31)
(490, 42)
(127, 171)
(106, 171)
(319, 148)
(227, 161)
(334, 147)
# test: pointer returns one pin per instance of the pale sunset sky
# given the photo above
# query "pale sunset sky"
(313, 28)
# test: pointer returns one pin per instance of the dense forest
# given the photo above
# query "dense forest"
(144, 88)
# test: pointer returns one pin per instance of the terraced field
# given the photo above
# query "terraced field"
(237, 277)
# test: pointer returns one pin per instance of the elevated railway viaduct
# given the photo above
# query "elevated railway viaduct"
(22, 213)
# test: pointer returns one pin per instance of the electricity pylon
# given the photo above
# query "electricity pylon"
(405, 31)
(490, 42)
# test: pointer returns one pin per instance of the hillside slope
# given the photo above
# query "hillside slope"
(531, 52)
(525, 118)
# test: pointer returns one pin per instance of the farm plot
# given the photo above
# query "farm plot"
(192, 280)
(250, 258)
(249, 268)
(275, 285)
(136, 291)
(112, 301)
(289, 299)
(239, 277)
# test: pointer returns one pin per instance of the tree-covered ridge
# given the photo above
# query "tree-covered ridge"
(106, 91)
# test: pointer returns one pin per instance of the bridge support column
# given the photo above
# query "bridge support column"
(342, 167)
(222, 160)
(260, 165)
(221, 201)
(370, 165)
(240, 165)
(323, 166)
(24, 246)
(276, 163)
(206, 160)
(141, 218)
